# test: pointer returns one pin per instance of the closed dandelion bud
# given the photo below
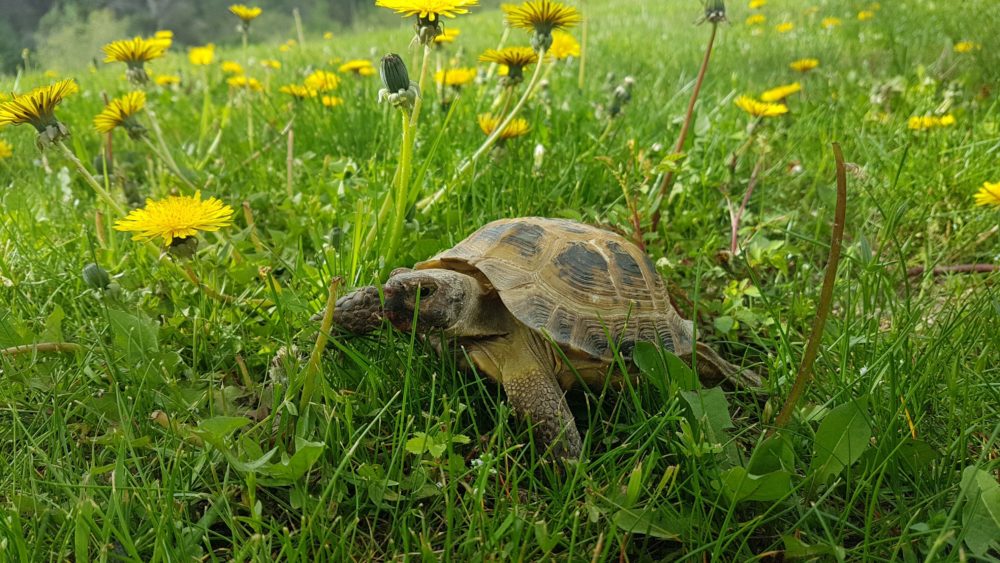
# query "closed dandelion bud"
(183, 247)
(96, 277)
(393, 72)
(427, 30)
(399, 90)
(715, 11)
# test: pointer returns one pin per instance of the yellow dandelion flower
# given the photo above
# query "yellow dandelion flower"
(511, 56)
(760, 109)
(563, 46)
(244, 82)
(516, 128)
(756, 19)
(989, 194)
(51, 74)
(202, 56)
(232, 67)
(804, 65)
(322, 81)
(167, 79)
(757, 4)
(360, 67)
(271, 64)
(967, 46)
(541, 16)
(245, 13)
(331, 101)
(121, 112)
(328, 35)
(924, 122)
(177, 217)
(455, 76)
(38, 106)
(135, 51)
(784, 27)
(430, 10)
(865, 15)
(298, 91)
(447, 35)
(781, 92)
(165, 37)
(830, 23)
(288, 46)
(6, 149)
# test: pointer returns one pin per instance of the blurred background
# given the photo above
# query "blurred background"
(64, 34)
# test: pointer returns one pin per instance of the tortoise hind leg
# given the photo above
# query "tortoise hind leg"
(713, 370)
(536, 395)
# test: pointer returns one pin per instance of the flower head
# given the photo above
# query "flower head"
(271, 64)
(455, 76)
(516, 128)
(756, 19)
(166, 79)
(331, 101)
(121, 112)
(164, 36)
(298, 91)
(202, 56)
(246, 83)
(865, 15)
(397, 88)
(245, 13)
(760, 109)
(924, 122)
(38, 107)
(322, 81)
(232, 67)
(360, 67)
(542, 17)
(804, 65)
(781, 92)
(989, 194)
(967, 46)
(428, 13)
(830, 23)
(135, 53)
(515, 58)
(177, 217)
(6, 149)
(563, 45)
(447, 35)
(715, 11)
(784, 27)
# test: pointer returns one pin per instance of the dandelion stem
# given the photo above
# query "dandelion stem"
(804, 375)
(402, 185)
(101, 192)
(164, 152)
(290, 162)
(64, 347)
(668, 178)
(206, 105)
(312, 367)
(583, 50)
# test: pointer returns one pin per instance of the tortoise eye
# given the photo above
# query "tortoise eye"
(426, 291)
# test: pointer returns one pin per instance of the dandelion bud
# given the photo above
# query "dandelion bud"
(715, 11)
(393, 72)
(183, 247)
(427, 30)
(399, 90)
(96, 277)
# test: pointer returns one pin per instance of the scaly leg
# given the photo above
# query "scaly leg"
(536, 395)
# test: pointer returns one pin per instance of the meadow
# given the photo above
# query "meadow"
(180, 404)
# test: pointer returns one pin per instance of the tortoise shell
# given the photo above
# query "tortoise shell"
(590, 290)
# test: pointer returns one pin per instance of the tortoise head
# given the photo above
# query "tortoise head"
(438, 299)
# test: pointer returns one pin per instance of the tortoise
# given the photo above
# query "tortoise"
(535, 303)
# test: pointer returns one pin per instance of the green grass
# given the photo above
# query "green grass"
(104, 456)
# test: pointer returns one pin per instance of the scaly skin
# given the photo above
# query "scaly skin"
(360, 311)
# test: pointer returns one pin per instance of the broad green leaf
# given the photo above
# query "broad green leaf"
(53, 325)
(634, 485)
(708, 410)
(773, 454)
(740, 485)
(419, 443)
(647, 358)
(981, 513)
(841, 438)
(291, 469)
(216, 429)
(680, 373)
(636, 521)
(134, 335)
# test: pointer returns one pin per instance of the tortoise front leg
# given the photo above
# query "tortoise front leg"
(536, 395)
(713, 370)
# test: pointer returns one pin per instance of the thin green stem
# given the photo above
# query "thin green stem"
(402, 186)
(98, 188)
(805, 373)
(169, 163)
